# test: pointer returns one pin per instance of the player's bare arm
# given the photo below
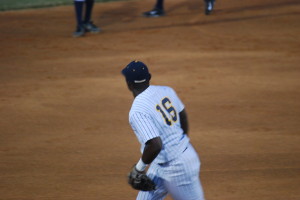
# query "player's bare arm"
(137, 177)
(151, 150)
(184, 121)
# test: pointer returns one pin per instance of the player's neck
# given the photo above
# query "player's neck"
(136, 92)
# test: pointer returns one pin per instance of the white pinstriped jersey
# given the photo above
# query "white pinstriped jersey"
(155, 113)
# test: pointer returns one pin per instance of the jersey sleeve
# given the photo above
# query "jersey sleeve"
(143, 127)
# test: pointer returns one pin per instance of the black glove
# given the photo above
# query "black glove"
(140, 181)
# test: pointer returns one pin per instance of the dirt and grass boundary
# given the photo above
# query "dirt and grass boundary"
(6, 5)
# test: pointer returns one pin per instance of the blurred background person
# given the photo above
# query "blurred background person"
(84, 23)
(158, 9)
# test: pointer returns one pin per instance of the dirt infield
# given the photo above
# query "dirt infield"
(64, 132)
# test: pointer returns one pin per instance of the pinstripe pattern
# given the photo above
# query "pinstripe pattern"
(148, 123)
(176, 169)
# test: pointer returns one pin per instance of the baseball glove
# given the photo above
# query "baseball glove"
(140, 181)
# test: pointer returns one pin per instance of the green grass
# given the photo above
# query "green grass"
(23, 4)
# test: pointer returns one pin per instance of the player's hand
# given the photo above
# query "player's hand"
(140, 181)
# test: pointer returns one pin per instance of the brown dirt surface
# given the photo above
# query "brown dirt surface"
(64, 132)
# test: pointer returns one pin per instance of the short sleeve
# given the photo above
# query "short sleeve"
(143, 127)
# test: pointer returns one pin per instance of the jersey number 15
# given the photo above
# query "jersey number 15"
(166, 103)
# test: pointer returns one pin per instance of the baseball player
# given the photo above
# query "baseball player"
(84, 24)
(159, 121)
(158, 9)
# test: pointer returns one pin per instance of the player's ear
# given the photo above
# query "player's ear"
(150, 76)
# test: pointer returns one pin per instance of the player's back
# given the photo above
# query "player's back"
(161, 105)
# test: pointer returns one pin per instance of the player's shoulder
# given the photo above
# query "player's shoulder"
(150, 92)
(162, 87)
